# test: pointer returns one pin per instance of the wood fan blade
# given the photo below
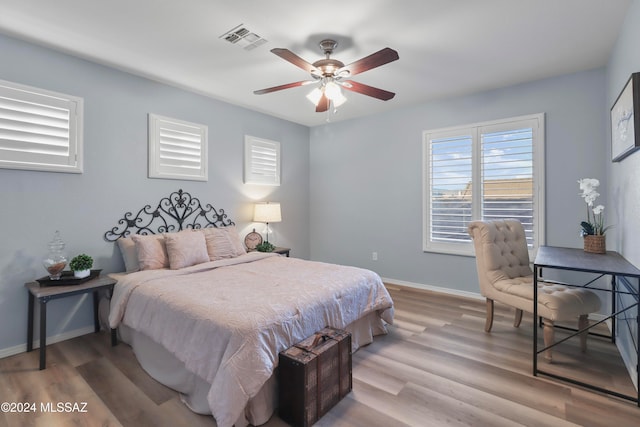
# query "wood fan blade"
(323, 104)
(374, 60)
(368, 90)
(289, 56)
(281, 87)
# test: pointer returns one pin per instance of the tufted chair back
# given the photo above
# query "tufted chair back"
(501, 252)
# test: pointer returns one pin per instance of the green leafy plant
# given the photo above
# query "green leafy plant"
(81, 262)
(265, 247)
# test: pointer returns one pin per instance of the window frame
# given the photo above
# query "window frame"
(35, 161)
(250, 142)
(156, 170)
(474, 130)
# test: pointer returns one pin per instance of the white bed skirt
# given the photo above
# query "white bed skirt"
(165, 368)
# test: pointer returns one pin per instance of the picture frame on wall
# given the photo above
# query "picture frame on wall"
(625, 120)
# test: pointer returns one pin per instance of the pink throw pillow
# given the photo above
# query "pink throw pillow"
(151, 251)
(186, 248)
(223, 242)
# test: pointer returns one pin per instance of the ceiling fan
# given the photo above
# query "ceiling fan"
(333, 74)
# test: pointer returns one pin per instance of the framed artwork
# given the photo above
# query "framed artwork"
(625, 120)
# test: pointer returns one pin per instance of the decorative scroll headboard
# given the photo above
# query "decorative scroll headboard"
(176, 212)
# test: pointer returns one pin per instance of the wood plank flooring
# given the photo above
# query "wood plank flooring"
(436, 367)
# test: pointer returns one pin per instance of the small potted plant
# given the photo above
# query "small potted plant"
(265, 247)
(81, 266)
(593, 229)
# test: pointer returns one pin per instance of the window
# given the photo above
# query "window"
(177, 149)
(39, 130)
(261, 161)
(491, 170)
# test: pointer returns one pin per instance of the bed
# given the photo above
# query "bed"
(212, 329)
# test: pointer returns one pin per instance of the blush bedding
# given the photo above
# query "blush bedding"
(226, 321)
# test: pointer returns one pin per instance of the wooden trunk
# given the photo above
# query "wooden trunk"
(314, 375)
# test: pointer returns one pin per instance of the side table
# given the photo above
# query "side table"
(282, 251)
(44, 294)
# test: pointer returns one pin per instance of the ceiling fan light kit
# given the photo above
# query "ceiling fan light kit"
(314, 96)
(329, 73)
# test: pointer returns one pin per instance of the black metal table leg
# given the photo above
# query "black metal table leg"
(613, 308)
(114, 337)
(96, 319)
(43, 333)
(30, 323)
(535, 316)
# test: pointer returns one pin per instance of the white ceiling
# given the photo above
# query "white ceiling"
(446, 47)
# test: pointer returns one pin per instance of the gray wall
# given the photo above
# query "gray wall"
(366, 176)
(83, 207)
(623, 200)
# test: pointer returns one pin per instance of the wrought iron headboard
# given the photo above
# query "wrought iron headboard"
(176, 212)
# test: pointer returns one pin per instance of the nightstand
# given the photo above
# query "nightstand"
(44, 294)
(282, 251)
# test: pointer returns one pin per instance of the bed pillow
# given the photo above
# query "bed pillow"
(151, 251)
(223, 243)
(186, 248)
(128, 251)
(236, 241)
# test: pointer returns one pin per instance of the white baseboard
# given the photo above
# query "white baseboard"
(475, 295)
(467, 294)
(21, 348)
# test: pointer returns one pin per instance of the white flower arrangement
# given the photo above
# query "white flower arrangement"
(594, 225)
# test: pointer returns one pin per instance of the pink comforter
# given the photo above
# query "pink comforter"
(228, 320)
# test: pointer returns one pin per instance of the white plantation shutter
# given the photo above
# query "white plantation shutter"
(177, 149)
(450, 177)
(261, 161)
(492, 170)
(507, 176)
(40, 130)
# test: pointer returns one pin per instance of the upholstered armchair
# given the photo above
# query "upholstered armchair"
(504, 273)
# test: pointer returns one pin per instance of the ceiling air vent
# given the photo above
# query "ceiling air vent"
(241, 36)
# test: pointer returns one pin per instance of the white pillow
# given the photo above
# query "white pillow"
(236, 241)
(186, 248)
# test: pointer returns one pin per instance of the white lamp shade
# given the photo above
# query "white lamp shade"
(338, 100)
(267, 212)
(332, 90)
(314, 96)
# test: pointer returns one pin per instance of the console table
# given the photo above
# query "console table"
(610, 264)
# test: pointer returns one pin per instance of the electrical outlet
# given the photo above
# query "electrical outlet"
(374, 256)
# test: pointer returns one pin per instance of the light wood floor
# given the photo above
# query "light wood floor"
(436, 367)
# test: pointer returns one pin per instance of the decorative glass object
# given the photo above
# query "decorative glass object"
(56, 260)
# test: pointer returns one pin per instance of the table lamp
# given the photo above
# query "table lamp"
(267, 212)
